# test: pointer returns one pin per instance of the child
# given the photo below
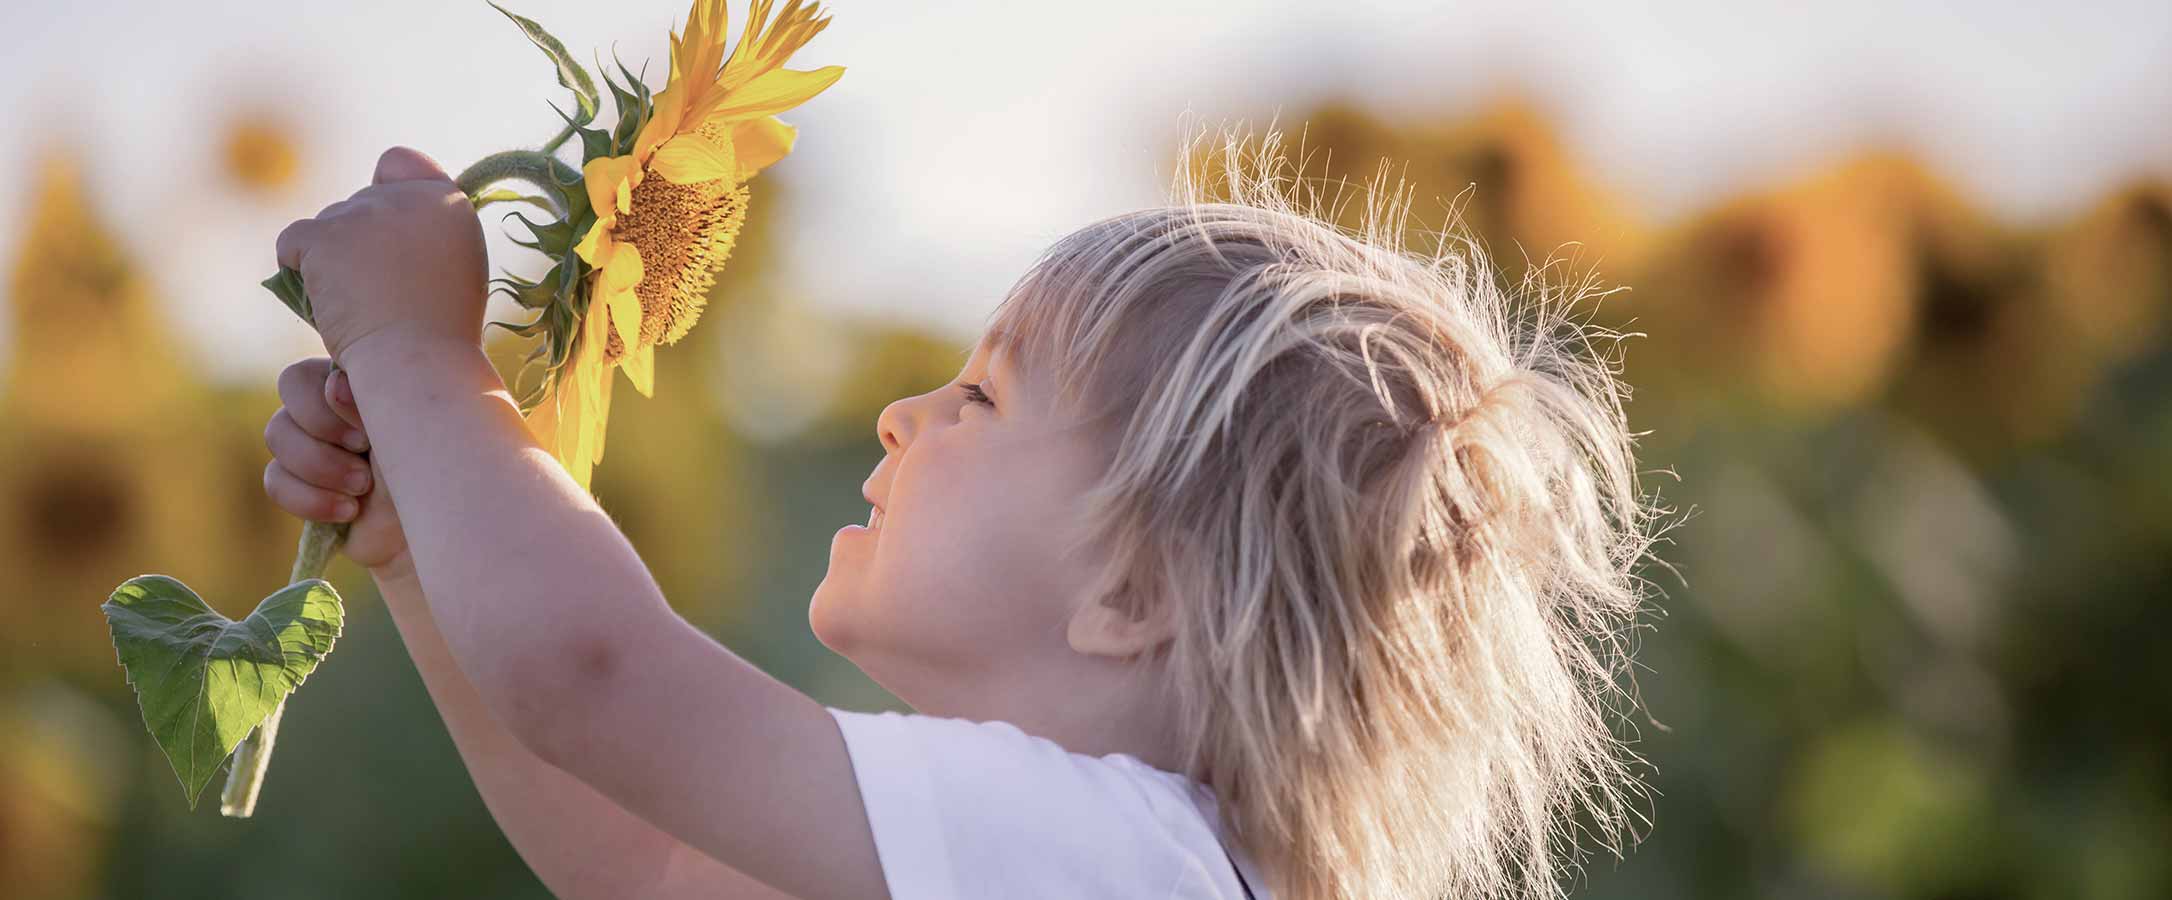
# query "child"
(1244, 558)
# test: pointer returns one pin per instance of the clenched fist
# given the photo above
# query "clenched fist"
(402, 258)
(320, 469)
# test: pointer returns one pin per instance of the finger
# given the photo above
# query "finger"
(305, 500)
(339, 394)
(294, 241)
(324, 465)
(407, 164)
(301, 392)
(335, 207)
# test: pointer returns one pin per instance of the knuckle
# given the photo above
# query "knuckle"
(292, 379)
(334, 508)
(271, 431)
(329, 467)
(271, 482)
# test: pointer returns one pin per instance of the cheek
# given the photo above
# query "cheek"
(973, 556)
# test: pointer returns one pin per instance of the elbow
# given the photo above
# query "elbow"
(554, 697)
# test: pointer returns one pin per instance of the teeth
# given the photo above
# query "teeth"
(874, 517)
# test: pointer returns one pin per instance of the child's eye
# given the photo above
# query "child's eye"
(973, 394)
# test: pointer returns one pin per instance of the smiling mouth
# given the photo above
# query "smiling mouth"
(874, 517)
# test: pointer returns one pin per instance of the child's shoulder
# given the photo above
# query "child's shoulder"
(969, 809)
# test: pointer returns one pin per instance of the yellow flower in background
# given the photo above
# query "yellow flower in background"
(669, 211)
(260, 152)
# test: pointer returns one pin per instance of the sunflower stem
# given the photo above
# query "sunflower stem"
(536, 167)
(551, 146)
(245, 769)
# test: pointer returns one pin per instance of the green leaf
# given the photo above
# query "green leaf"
(287, 286)
(204, 680)
(570, 74)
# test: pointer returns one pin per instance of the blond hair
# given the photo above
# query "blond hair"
(1397, 512)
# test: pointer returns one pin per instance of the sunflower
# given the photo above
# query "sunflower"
(668, 210)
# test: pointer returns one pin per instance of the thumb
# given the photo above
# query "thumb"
(407, 164)
(339, 395)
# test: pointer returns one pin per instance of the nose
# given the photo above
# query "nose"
(895, 423)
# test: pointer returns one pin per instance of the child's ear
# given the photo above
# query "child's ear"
(1101, 628)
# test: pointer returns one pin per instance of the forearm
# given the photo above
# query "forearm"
(578, 842)
(531, 585)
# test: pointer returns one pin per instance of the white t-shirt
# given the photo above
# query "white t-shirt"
(966, 810)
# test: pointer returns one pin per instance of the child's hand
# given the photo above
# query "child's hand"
(404, 255)
(312, 463)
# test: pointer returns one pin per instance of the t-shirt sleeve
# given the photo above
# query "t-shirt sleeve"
(982, 810)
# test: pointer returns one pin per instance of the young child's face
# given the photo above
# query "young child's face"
(967, 573)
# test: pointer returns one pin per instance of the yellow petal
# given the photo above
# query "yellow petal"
(770, 93)
(542, 421)
(640, 367)
(604, 384)
(705, 35)
(691, 158)
(564, 420)
(621, 269)
(749, 47)
(759, 142)
(584, 413)
(597, 243)
(764, 48)
(626, 316)
(665, 117)
(610, 181)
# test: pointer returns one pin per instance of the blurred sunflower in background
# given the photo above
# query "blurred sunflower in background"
(1792, 302)
(669, 210)
(108, 457)
(259, 152)
(2110, 272)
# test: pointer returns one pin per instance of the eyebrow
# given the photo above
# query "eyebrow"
(994, 341)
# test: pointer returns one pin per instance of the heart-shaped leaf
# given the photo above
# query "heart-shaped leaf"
(205, 680)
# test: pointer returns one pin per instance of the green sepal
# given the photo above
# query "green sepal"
(287, 286)
(529, 294)
(563, 318)
(570, 74)
(595, 144)
(629, 112)
(552, 237)
(527, 331)
(507, 195)
(542, 292)
(634, 105)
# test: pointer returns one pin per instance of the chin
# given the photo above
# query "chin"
(825, 620)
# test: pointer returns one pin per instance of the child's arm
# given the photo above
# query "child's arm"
(549, 612)
(577, 841)
(568, 641)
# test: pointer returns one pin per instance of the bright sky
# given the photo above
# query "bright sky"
(964, 137)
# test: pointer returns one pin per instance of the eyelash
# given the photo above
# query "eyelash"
(973, 394)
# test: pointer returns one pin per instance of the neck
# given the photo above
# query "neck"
(1087, 704)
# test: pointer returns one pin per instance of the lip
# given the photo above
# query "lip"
(858, 528)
